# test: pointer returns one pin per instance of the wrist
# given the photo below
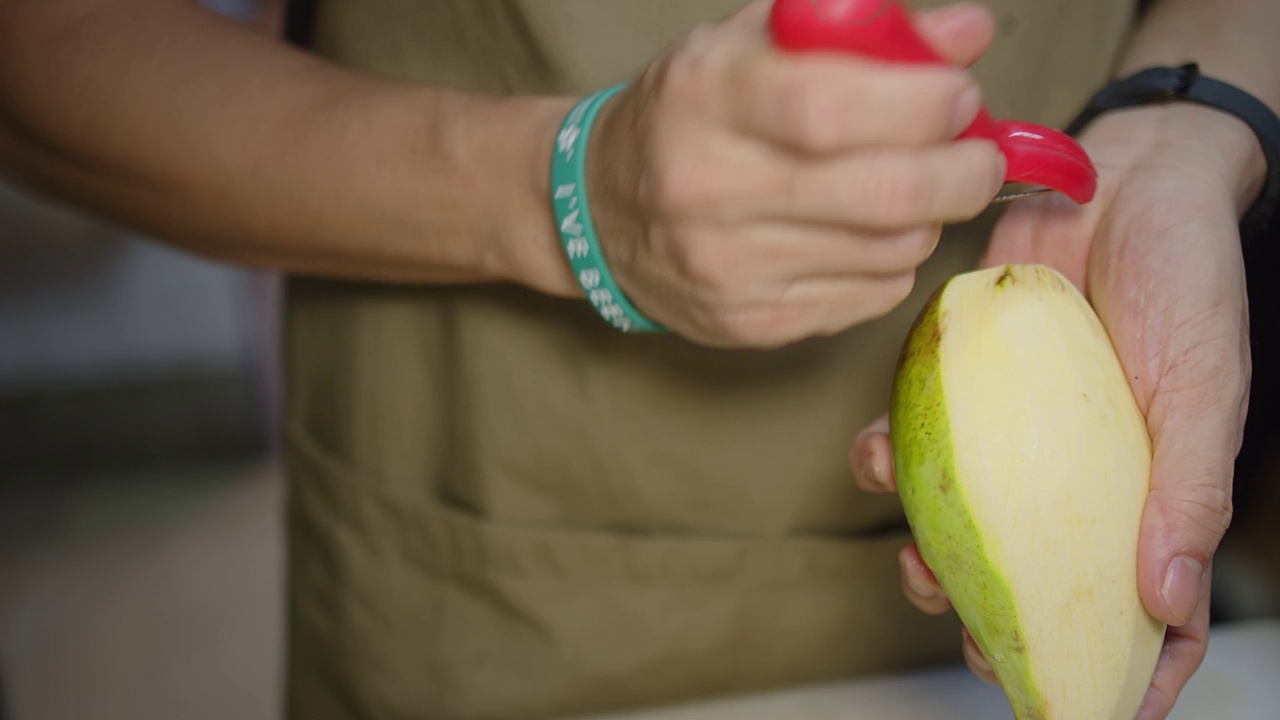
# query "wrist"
(1216, 143)
(612, 178)
(537, 257)
(501, 153)
(1224, 138)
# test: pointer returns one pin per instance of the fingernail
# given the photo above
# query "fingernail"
(1181, 590)
(871, 471)
(966, 109)
(920, 587)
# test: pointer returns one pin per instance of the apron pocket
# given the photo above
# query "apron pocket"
(427, 611)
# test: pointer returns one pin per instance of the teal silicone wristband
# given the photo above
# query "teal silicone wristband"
(573, 215)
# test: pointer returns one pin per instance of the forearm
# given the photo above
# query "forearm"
(1234, 40)
(163, 116)
(1231, 40)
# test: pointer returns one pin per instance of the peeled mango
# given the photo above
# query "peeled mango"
(1023, 462)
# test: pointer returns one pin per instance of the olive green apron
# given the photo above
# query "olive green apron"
(501, 508)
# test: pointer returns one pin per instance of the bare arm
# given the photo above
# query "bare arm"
(162, 115)
(1233, 41)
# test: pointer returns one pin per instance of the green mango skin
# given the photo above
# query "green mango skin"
(941, 522)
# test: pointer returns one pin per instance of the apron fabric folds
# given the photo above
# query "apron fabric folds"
(501, 508)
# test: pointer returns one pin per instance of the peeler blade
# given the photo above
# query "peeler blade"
(1017, 191)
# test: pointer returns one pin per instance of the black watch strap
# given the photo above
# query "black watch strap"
(1185, 83)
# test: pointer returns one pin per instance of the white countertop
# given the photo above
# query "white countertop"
(1239, 680)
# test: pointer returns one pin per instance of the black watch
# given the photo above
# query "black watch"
(1185, 83)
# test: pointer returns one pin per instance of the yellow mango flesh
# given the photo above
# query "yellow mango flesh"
(1023, 463)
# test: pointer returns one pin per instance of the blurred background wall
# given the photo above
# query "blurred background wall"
(116, 348)
(140, 550)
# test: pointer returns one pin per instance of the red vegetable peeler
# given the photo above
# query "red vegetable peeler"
(1036, 155)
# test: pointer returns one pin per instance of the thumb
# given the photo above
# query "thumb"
(1187, 512)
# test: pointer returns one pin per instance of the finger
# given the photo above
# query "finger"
(806, 308)
(871, 458)
(888, 190)
(1184, 651)
(802, 250)
(976, 661)
(1187, 511)
(919, 584)
(960, 33)
(867, 298)
(824, 103)
(1042, 230)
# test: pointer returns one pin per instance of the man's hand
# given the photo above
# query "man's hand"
(751, 197)
(1158, 254)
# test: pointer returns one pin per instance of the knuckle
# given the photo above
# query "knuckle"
(810, 112)
(917, 103)
(679, 80)
(737, 327)
(680, 175)
(912, 106)
(695, 60)
(807, 104)
(702, 36)
(685, 81)
(763, 328)
(1204, 508)
(663, 189)
(675, 182)
(699, 261)
(932, 106)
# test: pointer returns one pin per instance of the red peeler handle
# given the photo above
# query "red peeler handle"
(883, 29)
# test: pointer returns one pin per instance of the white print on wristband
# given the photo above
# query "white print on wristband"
(577, 232)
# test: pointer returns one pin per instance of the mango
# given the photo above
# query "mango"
(1023, 463)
